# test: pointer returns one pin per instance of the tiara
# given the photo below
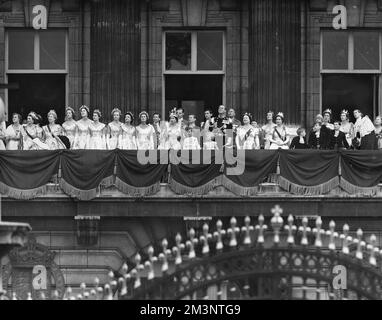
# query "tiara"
(328, 111)
(84, 107)
(97, 111)
(248, 115)
(345, 112)
(116, 110)
(271, 112)
(280, 114)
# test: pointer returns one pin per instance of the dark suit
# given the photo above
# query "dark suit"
(322, 143)
(338, 142)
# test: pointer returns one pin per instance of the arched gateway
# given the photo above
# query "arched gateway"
(257, 262)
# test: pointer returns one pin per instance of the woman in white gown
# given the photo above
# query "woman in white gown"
(127, 139)
(247, 137)
(347, 127)
(172, 135)
(3, 129)
(267, 130)
(280, 139)
(114, 130)
(52, 131)
(13, 135)
(145, 133)
(33, 135)
(97, 140)
(82, 133)
(70, 126)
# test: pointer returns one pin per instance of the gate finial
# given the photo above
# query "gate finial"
(318, 232)
(205, 238)
(332, 235)
(277, 223)
(247, 229)
(345, 239)
(150, 263)
(291, 228)
(305, 230)
(191, 244)
(360, 244)
(177, 250)
(218, 234)
(261, 227)
(373, 250)
(164, 255)
(232, 232)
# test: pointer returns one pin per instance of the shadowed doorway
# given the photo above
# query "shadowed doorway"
(194, 93)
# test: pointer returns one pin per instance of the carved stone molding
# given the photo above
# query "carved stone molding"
(194, 12)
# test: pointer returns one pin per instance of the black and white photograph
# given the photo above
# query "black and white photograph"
(205, 151)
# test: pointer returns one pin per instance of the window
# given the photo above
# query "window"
(350, 52)
(37, 51)
(194, 51)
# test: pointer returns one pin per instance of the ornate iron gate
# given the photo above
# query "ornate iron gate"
(287, 262)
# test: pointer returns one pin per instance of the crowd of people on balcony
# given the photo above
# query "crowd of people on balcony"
(215, 132)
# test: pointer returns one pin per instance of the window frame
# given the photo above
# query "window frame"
(194, 53)
(36, 69)
(350, 68)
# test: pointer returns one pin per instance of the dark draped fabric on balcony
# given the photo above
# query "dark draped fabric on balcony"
(361, 171)
(82, 171)
(135, 178)
(24, 175)
(257, 165)
(309, 172)
(196, 179)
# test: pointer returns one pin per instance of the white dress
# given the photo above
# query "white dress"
(34, 138)
(347, 128)
(3, 132)
(69, 130)
(127, 139)
(97, 136)
(13, 144)
(171, 137)
(50, 140)
(268, 131)
(82, 135)
(114, 131)
(145, 140)
(281, 137)
(247, 138)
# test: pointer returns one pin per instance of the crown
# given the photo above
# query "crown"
(280, 114)
(345, 112)
(328, 111)
(248, 114)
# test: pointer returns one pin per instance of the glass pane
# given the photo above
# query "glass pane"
(178, 51)
(21, 49)
(52, 49)
(210, 50)
(335, 50)
(366, 50)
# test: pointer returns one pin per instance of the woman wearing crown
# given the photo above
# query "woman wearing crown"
(247, 137)
(279, 139)
(347, 127)
(172, 134)
(52, 132)
(33, 135)
(145, 133)
(69, 127)
(82, 134)
(127, 140)
(267, 130)
(97, 132)
(378, 131)
(113, 130)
